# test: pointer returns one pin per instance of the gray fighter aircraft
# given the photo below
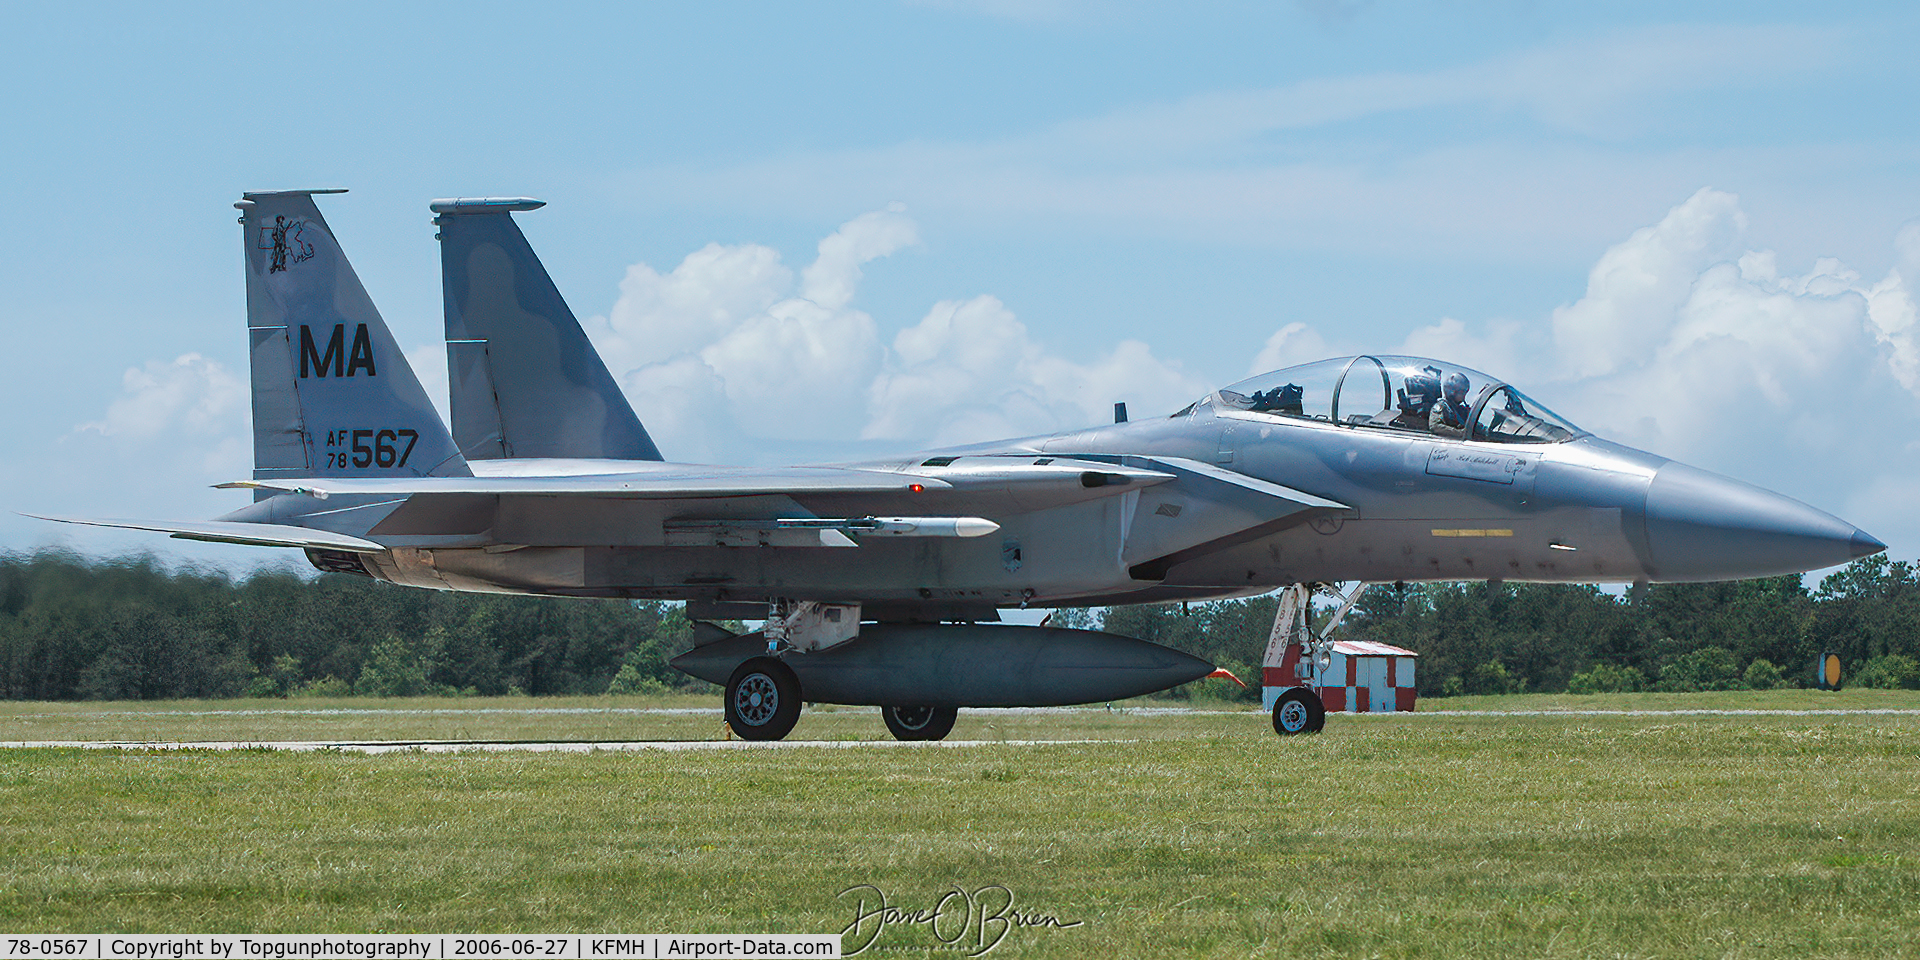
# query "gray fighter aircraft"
(880, 582)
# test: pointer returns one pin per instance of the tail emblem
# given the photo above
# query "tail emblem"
(284, 239)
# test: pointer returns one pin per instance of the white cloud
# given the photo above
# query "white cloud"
(1499, 346)
(723, 353)
(968, 372)
(1292, 344)
(1890, 305)
(835, 274)
(186, 417)
(190, 394)
(1690, 344)
(1636, 288)
(683, 403)
(709, 294)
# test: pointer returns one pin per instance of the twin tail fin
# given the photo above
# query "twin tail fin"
(526, 381)
(333, 394)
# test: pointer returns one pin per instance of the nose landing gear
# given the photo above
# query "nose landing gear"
(1298, 710)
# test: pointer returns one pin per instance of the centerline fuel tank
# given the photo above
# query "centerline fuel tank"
(964, 665)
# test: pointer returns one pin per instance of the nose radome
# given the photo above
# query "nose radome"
(1866, 544)
(1703, 526)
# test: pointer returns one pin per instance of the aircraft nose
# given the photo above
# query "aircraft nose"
(1866, 544)
(1703, 526)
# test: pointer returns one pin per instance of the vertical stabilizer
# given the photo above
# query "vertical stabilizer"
(332, 393)
(526, 381)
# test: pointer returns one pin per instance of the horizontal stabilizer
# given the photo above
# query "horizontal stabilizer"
(226, 531)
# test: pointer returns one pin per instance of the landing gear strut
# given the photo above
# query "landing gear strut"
(763, 699)
(1298, 656)
(919, 723)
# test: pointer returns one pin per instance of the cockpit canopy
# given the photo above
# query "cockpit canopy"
(1408, 394)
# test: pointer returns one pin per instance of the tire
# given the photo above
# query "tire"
(920, 723)
(763, 699)
(1298, 711)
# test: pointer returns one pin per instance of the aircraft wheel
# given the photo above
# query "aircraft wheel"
(920, 723)
(763, 699)
(1298, 711)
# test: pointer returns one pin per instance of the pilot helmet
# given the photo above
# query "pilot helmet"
(1457, 387)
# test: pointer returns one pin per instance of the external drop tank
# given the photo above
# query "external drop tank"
(964, 665)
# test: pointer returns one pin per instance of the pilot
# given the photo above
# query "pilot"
(1448, 418)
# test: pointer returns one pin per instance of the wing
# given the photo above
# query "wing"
(686, 505)
(1034, 482)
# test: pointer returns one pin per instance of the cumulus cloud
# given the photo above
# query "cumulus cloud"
(1636, 290)
(189, 394)
(703, 299)
(1890, 305)
(731, 347)
(1690, 343)
(1289, 345)
(191, 404)
(969, 371)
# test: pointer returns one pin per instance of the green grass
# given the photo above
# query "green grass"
(1204, 834)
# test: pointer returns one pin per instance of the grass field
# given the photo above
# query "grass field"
(1498, 833)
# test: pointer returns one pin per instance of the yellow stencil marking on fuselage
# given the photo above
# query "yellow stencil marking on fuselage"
(1472, 533)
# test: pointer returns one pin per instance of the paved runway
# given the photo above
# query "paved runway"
(529, 746)
(1865, 711)
(671, 746)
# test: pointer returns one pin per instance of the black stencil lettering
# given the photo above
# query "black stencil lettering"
(335, 357)
(362, 354)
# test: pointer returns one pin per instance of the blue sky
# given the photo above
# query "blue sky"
(809, 232)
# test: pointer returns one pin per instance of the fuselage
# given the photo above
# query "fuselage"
(1418, 507)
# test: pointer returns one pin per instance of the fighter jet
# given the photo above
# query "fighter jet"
(881, 582)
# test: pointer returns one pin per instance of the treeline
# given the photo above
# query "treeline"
(73, 629)
(131, 629)
(1477, 638)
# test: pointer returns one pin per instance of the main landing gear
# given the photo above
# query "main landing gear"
(763, 703)
(763, 699)
(763, 696)
(919, 723)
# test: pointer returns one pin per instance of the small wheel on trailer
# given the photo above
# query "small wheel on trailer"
(1298, 710)
(763, 699)
(920, 723)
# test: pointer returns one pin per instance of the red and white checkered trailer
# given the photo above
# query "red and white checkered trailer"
(1360, 677)
(1368, 677)
(1306, 674)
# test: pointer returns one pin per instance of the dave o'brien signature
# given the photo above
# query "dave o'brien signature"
(977, 920)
